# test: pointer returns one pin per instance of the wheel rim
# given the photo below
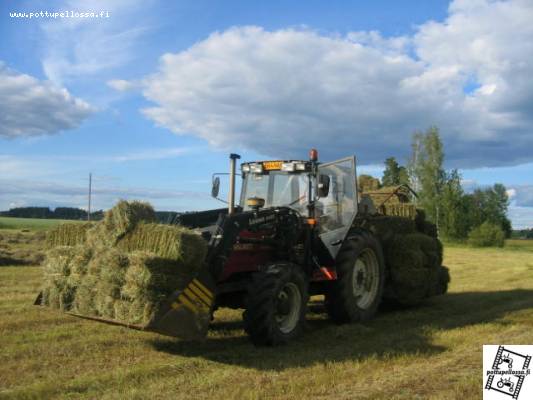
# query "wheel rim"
(365, 278)
(288, 307)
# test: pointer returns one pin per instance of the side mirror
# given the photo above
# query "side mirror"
(323, 186)
(216, 187)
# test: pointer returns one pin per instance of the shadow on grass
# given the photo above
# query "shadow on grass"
(391, 333)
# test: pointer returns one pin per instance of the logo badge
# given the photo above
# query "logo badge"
(506, 373)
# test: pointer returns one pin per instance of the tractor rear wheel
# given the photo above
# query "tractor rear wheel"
(357, 293)
(276, 303)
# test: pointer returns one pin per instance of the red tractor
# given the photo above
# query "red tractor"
(299, 230)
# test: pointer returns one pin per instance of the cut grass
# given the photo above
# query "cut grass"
(428, 352)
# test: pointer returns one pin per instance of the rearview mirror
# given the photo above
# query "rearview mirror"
(216, 187)
(323, 185)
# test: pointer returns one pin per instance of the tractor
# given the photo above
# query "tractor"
(298, 230)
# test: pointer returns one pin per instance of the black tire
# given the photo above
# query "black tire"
(272, 315)
(342, 303)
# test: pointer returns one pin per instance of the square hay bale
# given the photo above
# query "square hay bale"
(57, 292)
(78, 265)
(118, 221)
(186, 247)
(148, 282)
(84, 300)
(69, 234)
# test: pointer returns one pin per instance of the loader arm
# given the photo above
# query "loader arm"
(187, 312)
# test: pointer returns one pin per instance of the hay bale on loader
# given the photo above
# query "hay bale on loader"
(62, 271)
(119, 221)
(125, 268)
(69, 234)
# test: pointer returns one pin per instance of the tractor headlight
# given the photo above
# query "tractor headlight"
(256, 168)
(288, 166)
(245, 168)
(300, 166)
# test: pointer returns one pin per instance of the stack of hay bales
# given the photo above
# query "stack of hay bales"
(414, 262)
(125, 267)
(413, 258)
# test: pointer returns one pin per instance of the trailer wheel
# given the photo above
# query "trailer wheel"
(276, 303)
(357, 293)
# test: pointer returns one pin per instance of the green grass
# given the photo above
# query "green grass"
(30, 223)
(428, 352)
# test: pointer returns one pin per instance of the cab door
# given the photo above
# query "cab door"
(336, 212)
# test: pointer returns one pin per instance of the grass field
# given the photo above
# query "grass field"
(35, 224)
(429, 352)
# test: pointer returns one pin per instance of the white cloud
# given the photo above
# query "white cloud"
(52, 194)
(521, 217)
(87, 47)
(121, 85)
(150, 154)
(30, 107)
(521, 195)
(281, 92)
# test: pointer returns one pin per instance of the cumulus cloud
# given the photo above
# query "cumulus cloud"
(30, 107)
(280, 92)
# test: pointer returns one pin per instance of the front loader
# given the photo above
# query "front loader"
(301, 228)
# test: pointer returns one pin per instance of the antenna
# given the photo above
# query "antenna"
(90, 192)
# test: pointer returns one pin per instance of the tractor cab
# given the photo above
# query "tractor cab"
(324, 194)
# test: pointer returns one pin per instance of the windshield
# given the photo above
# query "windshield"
(277, 189)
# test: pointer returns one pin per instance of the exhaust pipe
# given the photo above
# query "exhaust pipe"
(233, 166)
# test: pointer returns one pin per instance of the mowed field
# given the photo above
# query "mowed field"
(433, 351)
(34, 224)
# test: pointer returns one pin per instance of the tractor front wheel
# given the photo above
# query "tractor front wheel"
(276, 304)
(356, 294)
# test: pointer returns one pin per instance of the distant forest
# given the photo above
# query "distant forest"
(72, 213)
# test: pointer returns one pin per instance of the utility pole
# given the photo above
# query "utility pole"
(90, 190)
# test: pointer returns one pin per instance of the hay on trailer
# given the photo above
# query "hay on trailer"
(385, 227)
(414, 261)
(406, 210)
(368, 183)
(171, 242)
(69, 234)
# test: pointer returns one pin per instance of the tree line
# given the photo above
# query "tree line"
(72, 213)
(457, 214)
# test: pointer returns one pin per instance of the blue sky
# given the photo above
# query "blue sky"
(152, 98)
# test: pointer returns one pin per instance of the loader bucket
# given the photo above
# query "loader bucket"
(185, 314)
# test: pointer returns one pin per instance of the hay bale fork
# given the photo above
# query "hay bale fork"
(293, 234)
